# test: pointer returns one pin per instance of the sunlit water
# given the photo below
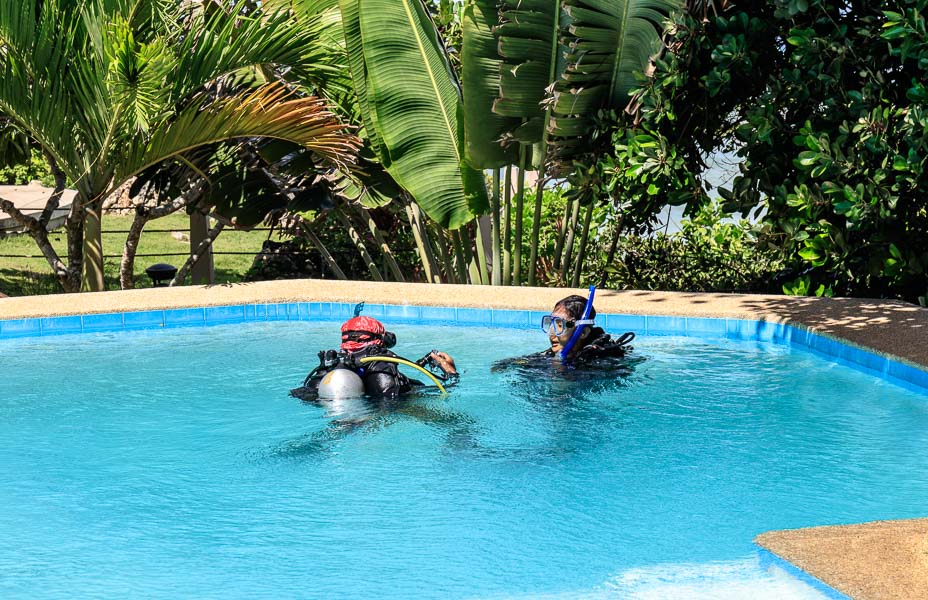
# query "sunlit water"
(174, 464)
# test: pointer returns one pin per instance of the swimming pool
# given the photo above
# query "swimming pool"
(184, 469)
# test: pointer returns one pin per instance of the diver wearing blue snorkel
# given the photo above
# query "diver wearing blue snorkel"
(576, 341)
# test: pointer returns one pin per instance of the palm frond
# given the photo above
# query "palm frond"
(268, 112)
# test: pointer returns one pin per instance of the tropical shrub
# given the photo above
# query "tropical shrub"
(825, 104)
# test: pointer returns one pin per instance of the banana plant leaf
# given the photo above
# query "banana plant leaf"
(416, 109)
(610, 42)
(530, 43)
(480, 79)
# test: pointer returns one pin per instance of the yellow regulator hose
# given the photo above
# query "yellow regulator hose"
(403, 361)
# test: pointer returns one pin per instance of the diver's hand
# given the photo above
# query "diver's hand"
(444, 361)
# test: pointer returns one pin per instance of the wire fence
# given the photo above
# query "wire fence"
(159, 254)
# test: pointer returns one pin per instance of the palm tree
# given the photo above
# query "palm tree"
(111, 88)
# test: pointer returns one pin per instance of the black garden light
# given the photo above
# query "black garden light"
(161, 274)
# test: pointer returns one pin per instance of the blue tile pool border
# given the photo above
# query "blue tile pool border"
(768, 559)
(894, 371)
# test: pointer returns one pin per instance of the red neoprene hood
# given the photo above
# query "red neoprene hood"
(353, 330)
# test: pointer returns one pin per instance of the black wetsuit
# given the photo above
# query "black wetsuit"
(600, 353)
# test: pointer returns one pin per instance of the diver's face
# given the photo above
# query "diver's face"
(558, 341)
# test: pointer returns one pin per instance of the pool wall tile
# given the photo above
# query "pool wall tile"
(250, 312)
(20, 328)
(293, 311)
(270, 312)
(61, 325)
(377, 311)
(899, 370)
(401, 313)
(224, 314)
(510, 318)
(303, 311)
(475, 316)
(438, 314)
(184, 317)
(104, 322)
(701, 326)
(741, 329)
(799, 336)
(320, 310)
(656, 325)
(146, 319)
(619, 324)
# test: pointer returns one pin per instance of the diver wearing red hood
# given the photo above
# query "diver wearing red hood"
(364, 337)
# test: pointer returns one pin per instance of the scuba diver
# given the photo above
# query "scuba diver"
(364, 365)
(578, 348)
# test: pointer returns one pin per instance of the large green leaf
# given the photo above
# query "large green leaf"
(533, 59)
(480, 79)
(610, 42)
(415, 106)
(351, 25)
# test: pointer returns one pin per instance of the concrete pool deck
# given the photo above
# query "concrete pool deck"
(871, 560)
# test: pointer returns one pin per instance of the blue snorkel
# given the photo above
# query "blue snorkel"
(581, 324)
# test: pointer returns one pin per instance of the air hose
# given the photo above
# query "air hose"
(403, 361)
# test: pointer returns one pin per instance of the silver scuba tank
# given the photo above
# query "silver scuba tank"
(341, 383)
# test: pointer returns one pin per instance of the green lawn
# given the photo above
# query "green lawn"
(29, 276)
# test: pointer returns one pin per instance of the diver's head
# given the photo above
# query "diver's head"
(362, 332)
(563, 321)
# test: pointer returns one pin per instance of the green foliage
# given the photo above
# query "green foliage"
(36, 169)
(707, 254)
(411, 105)
(825, 103)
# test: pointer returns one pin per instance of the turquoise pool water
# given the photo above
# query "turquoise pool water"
(174, 464)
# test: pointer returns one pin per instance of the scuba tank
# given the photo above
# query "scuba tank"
(340, 383)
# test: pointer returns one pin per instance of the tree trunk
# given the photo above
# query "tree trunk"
(359, 244)
(562, 233)
(326, 255)
(507, 228)
(569, 244)
(581, 254)
(202, 250)
(426, 256)
(201, 272)
(536, 226)
(38, 231)
(143, 215)
(92, 271)
(612, 247)
(40, 235)
(483, 235)
(384, 246)
(520, 199)
(460, 260)
(496, 278)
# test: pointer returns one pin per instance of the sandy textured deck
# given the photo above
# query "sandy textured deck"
(878, 560)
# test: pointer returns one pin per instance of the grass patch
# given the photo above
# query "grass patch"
(31, 276)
